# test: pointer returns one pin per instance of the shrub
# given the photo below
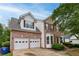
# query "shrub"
(76, 45)
(58, 46)
(66, 43)
(6, 44)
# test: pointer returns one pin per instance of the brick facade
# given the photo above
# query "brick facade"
(21, 34)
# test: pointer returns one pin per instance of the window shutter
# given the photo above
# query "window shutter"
(24, 23)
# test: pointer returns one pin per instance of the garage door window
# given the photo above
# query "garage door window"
(19, 41)
(22, 41)
(26, 41)
(30, 41)
(16, 41)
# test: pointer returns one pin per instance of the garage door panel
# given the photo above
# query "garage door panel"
(35, 43)
(21, 43)
(24, 43)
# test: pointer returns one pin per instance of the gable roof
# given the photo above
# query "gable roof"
(14, 24)
(49, 20)
(26, 14)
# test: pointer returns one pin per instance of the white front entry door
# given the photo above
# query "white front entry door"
(21, 43)
(34, 43)
(49, 41)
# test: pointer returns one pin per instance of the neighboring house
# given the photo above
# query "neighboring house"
(70, 38)
(28, 32)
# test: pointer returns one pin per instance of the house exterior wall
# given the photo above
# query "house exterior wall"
(11, 42)
(21, 34)
(53, 29)
(74, 41)
(40, 26)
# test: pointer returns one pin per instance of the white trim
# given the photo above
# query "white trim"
(50, 44)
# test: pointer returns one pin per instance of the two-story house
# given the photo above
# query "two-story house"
(28, 32)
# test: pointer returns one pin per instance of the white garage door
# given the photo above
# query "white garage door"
(34, 43)
(21, 43)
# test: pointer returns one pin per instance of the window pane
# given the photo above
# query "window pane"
(19, 41)
(28, 24)
(51, 39)
(46, 26)
(16, 41)
(22, 41)
(26, 41)
(57, 39)
(48, 40)
(24, 23)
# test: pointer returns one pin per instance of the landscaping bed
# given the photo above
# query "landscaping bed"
(57, 46)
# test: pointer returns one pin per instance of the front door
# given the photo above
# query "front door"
(49, 41)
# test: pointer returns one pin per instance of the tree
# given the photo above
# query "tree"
(4, 35)
(1, 32)
(67, 17)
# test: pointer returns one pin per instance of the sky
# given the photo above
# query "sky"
(39, 11)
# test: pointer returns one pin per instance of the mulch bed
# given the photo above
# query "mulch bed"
(29, 54)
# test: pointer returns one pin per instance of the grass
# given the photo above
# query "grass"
(74, 52)
(8, 54)
(0, 54)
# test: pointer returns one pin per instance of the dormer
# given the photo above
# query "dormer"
(27, 21)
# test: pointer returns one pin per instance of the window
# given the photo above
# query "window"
(19, 41)
(16, 41)
(22, 41)
(61, 40)
(46, 26)
(51, 39)
(24, 23)
(30, 41)
(48, 40)
(51, 26)
(26, 41)
(57, 28)
(57, 39)
(29, 24)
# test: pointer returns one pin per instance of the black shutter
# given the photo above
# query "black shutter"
(24, 23)
(51, 39)
(47, 39)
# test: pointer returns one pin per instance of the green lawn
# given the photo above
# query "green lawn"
(8, 54)
(0, 54)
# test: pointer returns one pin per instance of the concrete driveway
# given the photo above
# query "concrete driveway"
(36, 52)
